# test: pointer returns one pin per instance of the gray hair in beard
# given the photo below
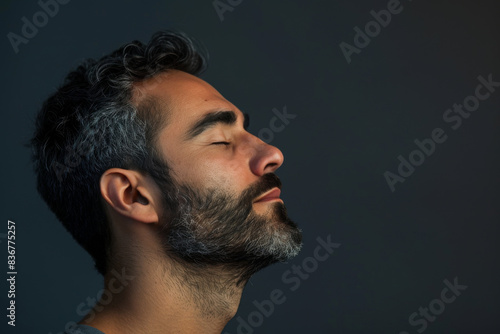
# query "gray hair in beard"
(212, 227)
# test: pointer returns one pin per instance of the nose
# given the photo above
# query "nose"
(266, 158)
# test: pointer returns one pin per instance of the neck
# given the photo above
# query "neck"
(171, 297)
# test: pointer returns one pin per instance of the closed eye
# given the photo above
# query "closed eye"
(221, 143)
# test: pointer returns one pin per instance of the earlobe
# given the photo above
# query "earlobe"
(129, 194)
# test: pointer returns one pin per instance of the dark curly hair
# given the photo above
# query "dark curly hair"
(90, 125)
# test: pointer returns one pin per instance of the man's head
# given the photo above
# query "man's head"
(137, 138)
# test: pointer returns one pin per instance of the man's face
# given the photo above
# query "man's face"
(220, 172)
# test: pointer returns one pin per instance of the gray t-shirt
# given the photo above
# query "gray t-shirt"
(83, 329)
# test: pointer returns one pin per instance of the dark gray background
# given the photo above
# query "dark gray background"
(353, 121)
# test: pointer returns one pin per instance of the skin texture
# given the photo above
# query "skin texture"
(158, 298)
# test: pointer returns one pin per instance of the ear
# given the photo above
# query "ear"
(131, 194)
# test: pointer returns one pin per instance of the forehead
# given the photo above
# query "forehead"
(184, 96)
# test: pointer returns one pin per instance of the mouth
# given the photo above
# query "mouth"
(272, 195)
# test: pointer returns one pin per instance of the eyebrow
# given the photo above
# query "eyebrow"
(211, 119)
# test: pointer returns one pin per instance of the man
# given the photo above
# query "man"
(152, 171)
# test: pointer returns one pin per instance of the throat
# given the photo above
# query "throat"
(214, 291)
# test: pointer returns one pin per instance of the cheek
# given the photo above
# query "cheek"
(221, 173)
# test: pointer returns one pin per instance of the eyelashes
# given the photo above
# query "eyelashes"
(221, 143)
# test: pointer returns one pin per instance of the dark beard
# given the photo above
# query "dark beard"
(213, 228)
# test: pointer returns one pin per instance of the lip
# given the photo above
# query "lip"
(271, 195)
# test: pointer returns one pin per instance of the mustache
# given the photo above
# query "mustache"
(267, 182)
(200, 199)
